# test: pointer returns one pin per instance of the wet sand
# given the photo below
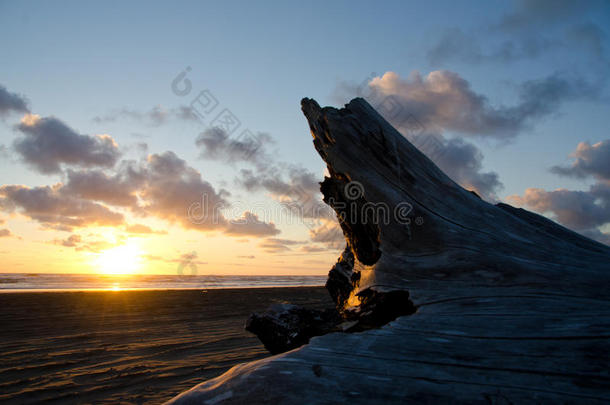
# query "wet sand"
(128, 346)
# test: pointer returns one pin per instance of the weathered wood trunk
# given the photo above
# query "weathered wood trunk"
(511, 307)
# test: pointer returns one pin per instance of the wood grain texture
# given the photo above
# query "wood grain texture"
(511, 307)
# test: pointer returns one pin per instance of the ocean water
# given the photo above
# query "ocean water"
(15, 282)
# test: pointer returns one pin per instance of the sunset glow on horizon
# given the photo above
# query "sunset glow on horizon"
(119, 260)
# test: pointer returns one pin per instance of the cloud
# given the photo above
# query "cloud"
(155, 117)
(140, 229)
(328, 233)
(12, 102)
(96, 246)
(290, 184)
(188, 258)
(540, 98)
(597, 235)
(48, 143)
(444, 101)
(457, 45)
(582, 211)
(166, 187)
(579, 210)
(176, 192)
(92, 243)
(590, 160)
(73, 240)
(295, 187)
(532, 14)
(532, 29)
(591, 37)
(462, 161)
(424, 108)
(216, 144)
(313, 249)
(118, 189)
(275, 245)
(162, 186)
(48, 206)
(250, 225)
(5, 233)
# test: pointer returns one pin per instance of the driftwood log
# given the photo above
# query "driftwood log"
(509, 306)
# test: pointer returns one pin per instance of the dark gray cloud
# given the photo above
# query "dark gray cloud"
(328, 234)
(176, 192)
(289, 184)
(281, 183)
(590, 37)
(185, 258)
(462, 161)
(93, 243)
(327, 237)
(155, 117)
(579, 210)
(12, 102)
(424, 108)
(457, 45)
(582, 211)
(534, 14)
(216, 144)
(444, 101)
(164, 186)
(48, 143)
(117, 189)
(532, 29)
(54, 209)
(540, 98)
(249, 224)
(295, 187)
(589, 160)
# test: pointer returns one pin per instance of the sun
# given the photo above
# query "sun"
(123, 259)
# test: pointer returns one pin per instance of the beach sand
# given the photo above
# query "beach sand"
(128, 346)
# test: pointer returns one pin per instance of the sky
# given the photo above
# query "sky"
(149, 137)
